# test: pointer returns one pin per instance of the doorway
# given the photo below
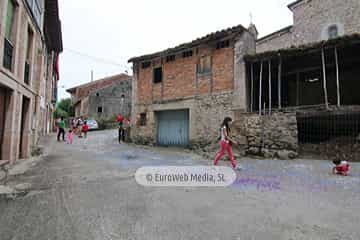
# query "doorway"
(24, 129)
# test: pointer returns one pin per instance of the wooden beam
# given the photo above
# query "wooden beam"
(279, 82)
(260, 88)
(270, 87)
(337, 77)
(252, 88)
(324, 78)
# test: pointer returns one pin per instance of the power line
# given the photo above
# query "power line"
(99, 59)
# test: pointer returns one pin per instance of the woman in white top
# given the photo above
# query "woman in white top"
(225, 144)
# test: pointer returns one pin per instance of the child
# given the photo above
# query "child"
(70, 137)
(85, 129)
(341, 167)
(226, 144)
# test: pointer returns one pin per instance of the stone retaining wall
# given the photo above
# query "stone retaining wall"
(269, 136)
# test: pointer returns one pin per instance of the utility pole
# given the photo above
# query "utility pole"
(92, 75)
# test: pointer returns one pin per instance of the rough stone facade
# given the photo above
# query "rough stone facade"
(209, 97)
(269, 136)
(113, 100)
(282, 39)
(80, 94)
(312, 19)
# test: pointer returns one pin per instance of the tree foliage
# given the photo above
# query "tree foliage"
(64, 109)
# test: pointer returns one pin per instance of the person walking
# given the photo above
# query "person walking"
(226, 144)
(61, 129)
(85, 129)
(120, 120)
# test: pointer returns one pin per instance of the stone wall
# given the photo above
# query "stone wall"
(110, 99)
(269, 136)
(274, 42)
(311, 22)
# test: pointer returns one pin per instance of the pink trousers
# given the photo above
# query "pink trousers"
(70, 138)
(225, 147)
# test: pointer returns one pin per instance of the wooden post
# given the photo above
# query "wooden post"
(270, 87)
(279, 81)
(252, 88)
(260, 87)
(337, 77)
(324, 78)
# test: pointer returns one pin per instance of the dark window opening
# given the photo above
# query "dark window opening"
(223, 44)
(97, 94)
(8, 55)
(99, 109)
(333, 32)
(29, 51)
(158, 75)
(142, 119)
(187, 54)
(145, 64)
(204, 65)
(170, 58)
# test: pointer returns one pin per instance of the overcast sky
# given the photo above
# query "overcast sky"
(101, 35)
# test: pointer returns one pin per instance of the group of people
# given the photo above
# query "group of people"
(77, 126)
(340, 167)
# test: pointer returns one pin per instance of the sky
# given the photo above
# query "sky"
(102, 35)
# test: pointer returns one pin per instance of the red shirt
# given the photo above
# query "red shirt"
(85, 128)
(119, 118)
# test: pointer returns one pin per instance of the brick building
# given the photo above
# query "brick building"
(180, 95)
(99, 98)
(30, 43)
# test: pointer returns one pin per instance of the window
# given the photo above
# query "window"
(223, 44)
(9, 19)
(204, 65)
(97, 94)
(157, 75)
(8, 46)
(36, 9)
(99, 109)
(145, 64)
(170, 58)
(142, 119)
(333, 32)
(28, 56)
(187, 54)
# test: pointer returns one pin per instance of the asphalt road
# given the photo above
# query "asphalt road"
(87, 191)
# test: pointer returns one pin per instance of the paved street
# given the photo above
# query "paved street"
(87, 191)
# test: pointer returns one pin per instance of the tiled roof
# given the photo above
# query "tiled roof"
(119, 77)
(210, 37)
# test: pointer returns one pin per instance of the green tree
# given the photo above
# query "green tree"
(64, 109)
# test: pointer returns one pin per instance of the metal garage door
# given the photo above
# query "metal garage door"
(173, 127)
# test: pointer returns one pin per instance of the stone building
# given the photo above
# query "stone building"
(103, 98)
(181, 95)
(314, 21)
(31, 41)
(303, 80)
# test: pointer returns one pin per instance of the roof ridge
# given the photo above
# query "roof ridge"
(101, 79)
(189, 44)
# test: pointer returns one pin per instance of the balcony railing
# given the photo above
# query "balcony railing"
(8, 55)
(27, 73)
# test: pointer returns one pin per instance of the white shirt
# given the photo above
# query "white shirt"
(223, 138)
